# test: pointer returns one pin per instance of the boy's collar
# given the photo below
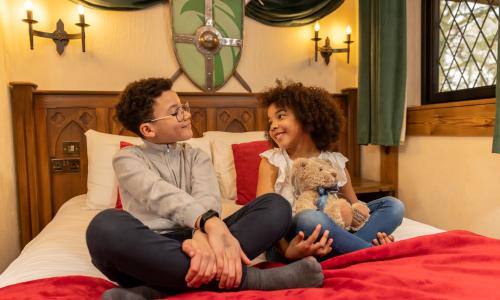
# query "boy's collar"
(160, 147)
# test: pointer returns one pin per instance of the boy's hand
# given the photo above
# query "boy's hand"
(228, 253)
(299, 248)
(202, 269)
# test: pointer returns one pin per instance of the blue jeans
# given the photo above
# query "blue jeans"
(386, 214)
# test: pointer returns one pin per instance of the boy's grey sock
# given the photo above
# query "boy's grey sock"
(305, 273)
(142, 292)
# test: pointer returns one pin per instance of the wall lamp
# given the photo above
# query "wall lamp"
(326, 51)
(59, 36)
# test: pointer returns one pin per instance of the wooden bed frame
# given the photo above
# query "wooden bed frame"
(51, 154)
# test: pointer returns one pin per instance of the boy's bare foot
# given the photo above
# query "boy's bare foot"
(382, 239)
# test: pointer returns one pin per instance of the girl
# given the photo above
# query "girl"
(305, 122)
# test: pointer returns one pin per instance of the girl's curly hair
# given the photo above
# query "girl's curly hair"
(137, 100)
(314, 108)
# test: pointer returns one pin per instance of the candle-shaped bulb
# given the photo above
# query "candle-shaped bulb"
(348, 30)
(316, 26)
(28, 5)
(81, 9)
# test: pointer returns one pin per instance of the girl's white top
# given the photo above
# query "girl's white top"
(280, 159)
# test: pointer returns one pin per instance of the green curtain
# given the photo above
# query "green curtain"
(382, 71)
(284, 13)
(496, 133)
(119, 4)
(287, 13)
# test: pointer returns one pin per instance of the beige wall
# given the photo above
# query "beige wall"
(449, 182)
(125, 46)
(9, 234)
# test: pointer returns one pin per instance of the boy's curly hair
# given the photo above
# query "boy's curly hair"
(313, 107)
(137, 100)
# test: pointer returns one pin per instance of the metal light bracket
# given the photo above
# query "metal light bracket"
(59, 36)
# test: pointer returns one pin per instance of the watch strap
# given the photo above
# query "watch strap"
(207, 216)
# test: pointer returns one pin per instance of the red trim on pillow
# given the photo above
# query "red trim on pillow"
(246, 162)
(124, 144)
(118, 203)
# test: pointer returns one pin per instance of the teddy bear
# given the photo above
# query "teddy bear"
(315, 187)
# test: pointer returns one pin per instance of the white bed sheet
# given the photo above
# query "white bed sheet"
(60, 248)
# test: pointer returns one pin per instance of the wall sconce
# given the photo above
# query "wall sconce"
(326, 51)
(59, 36)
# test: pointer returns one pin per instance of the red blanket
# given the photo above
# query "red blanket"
(451, 265)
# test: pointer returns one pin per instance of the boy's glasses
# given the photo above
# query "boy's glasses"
(178, 114)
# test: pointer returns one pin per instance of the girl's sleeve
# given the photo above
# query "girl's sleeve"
(276, 158)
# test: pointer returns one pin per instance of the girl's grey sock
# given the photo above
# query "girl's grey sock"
(305, 273)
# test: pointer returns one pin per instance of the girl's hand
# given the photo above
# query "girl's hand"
(202, 268)
(228, 254)
(299, 248)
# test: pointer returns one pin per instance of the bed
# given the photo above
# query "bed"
(59, 135)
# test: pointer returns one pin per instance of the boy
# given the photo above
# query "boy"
(169, 237)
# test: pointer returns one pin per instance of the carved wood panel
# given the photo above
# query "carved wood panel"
(115, 126)
(68, 125)
(235, 119)
(198, 121)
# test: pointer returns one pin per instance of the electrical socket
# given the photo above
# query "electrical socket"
(65, 165)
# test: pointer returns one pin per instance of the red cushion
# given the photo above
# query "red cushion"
(246, 163)
(118, 204)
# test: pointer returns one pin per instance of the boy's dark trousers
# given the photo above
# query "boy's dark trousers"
(131, 254)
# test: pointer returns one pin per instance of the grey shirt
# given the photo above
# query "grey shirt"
(166, 187)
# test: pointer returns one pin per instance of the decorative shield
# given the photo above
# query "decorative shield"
(208, 39)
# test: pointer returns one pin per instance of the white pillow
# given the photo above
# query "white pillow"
(222, 157)
(101, 179)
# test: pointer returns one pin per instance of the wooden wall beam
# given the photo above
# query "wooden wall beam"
(25, 139)
(389, 167)
(463, 118)
(353, 149)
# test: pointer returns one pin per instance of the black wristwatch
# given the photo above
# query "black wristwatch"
(205, 217)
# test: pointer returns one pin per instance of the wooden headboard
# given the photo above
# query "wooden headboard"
(50, 146)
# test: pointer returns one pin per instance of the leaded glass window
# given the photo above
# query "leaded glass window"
(460, 49)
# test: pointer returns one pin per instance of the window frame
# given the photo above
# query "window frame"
(430, 57)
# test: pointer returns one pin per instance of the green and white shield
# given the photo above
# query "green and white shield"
(208, 39)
